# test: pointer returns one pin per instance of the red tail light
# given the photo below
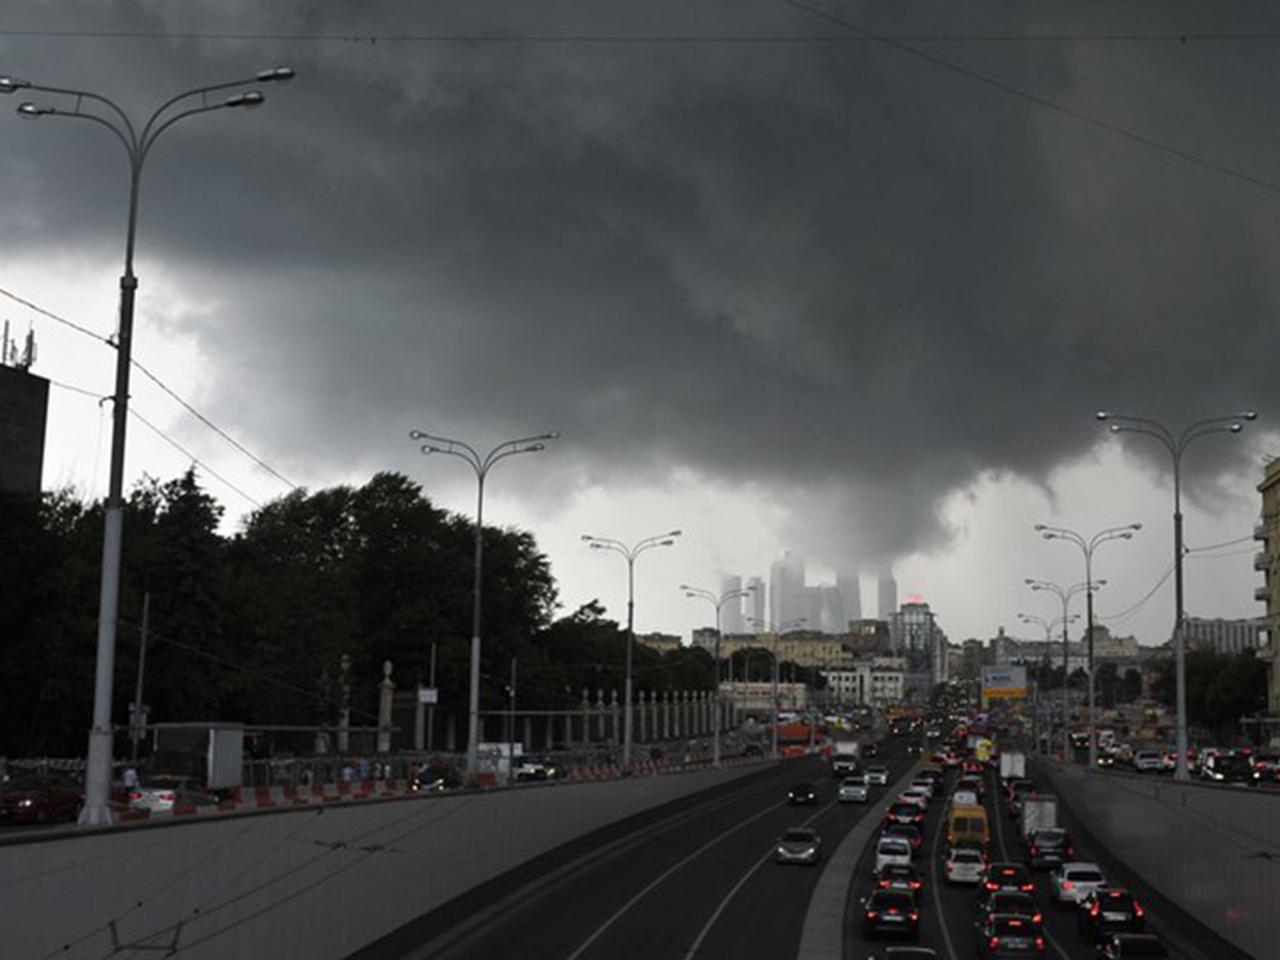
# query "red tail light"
(135, 796)
(1028, 887)
(1068, 885)
(991, 885)
(872, 914)
(914, 916)
(884, 884)
(917, 884)
(1040, 943)
(1036, 918)
(1071, 851)
(1137, 909)
(1095, 909)
(892, 910)
(993, 943)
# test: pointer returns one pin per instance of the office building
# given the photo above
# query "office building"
(887, 594)
(1224, 636)
(731, 620)
(24, 402)
(755, 603)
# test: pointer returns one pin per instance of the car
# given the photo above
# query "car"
(935, 775)
(1126, 946)
(1048, 847)
(1148, 761)
(802, 794)
(973, 766)
(1109, 911)
(1266, 767)
(798, 845)
(1227, 767)
(890, 912)
(870, 750)
(965, 865)
(40, 798)
(1007, 936)
(898, 876)
(915, 747)
(971, 782)
(915, 795)
(891, 850)
(877, 775)
(1106, 759)
(904, 811)
(965, 798)
(532, 768)
(926, 785)
(1011, 902)
(853, 789)
(1075, 880)
(948, 760)
(910, 953)
(162, 794)
(1005, 875)
(908, 832)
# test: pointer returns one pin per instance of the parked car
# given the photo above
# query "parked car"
(798, 845)
(1075, 880)
(40, 798)
(162, 794)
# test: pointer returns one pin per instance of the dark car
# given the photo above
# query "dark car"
(890, 912)
(1049, 847)
(1105, 912)
(904, 812)
(1014, 792)
(870, 750)
(40, 798)
(1125, 946)
(1006, 936)
(802, 793)
(899, 876)
(1009, 902)
(908, 832)
(1007, 876)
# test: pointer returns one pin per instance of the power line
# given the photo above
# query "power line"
(1038, 100)
(185, 404)
(1125, 614)
(512, 39)
(1224, 543)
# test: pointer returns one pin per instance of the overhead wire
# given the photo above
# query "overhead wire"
(1037, 99)
(1129, 611)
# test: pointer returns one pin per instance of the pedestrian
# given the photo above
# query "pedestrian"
(347, 773)
(130, 779)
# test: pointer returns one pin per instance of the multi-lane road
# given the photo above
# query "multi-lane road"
(697, 879)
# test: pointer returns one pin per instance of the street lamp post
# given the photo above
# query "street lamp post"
(630, 553)
(481, 464)
(1065, 596)
(777, 633)
(137, 144)
(1177, 445)
(1048, 626)
(1088, 546)
(717, 601)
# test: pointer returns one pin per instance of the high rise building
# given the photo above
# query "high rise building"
(832, 612)
(887, 594)
(786, 589)
(756, 602)
(915, 636)
(24, 399)
(1267, 560)
(850, 596)
(731, 611)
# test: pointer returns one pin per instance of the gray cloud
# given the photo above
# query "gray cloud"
(831, 270)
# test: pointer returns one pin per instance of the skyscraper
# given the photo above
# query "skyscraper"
(756, 602)
(888, 593)
(786, 589)
(850, 597)
(731, 612)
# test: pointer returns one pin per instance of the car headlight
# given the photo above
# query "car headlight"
(26, 802)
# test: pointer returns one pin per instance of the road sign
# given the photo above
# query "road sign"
(429, 695)
(1003, 683)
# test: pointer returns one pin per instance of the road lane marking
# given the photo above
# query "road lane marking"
(702, 934)
(1004, 852)
(772, 808)
(933, 887)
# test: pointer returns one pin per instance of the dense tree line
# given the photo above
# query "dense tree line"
(1221, 688)
(253, 626)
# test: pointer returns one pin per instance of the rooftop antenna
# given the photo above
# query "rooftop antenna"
(28, 359)
(4, 345)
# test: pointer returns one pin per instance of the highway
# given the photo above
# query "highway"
(699, 882)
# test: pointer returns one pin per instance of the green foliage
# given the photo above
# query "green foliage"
(1221, 688)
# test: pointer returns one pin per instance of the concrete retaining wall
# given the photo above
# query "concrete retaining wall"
(317, 882)
(1213, 851)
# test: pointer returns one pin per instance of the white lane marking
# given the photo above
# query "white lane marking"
(1004, 852)
(937, 897)
(702, 934)
(772, 808)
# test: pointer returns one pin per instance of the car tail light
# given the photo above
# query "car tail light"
(1037, 918)
(1095, 909)
(917, 884)
(1028, 887)
(1071, 851)
(914, 916)
(1137, 909)
(1040, 943)
(872, 914)
(993, 943)
(1068, 885)
(135, 796)
(992, 885)
(892, 910)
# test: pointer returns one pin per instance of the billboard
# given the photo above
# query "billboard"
(1003, 683)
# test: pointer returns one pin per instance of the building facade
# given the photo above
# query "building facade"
(24, 401)
(915, 636)
(664, 642)
(877, 681)
(731, 620)
(1224, 636)
(1267, 560)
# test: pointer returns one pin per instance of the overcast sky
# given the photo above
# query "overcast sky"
(776, 288)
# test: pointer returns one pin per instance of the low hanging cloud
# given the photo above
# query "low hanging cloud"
(829, 270)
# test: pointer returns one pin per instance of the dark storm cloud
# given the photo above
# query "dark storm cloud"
(834, 271)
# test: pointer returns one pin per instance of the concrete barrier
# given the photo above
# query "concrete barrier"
(316, 881)
(1212, 851)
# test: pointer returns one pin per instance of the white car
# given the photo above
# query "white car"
(925, 784)
(924, 793)
(877, 775)
(853, 790)
(892, 850)
(913, 796)
(1074, 881)
(1148, 761)
(965, 865)
(965, 798)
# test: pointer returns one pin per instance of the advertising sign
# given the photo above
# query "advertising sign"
(1003, 683)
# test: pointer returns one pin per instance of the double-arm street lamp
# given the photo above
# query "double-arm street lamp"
(137, 143)
(630, 553)
(481, 464)
(717, 601)
(777, 630)
(1065, 595)
(1177, 444)
(1088, 546)
(1048, 627)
